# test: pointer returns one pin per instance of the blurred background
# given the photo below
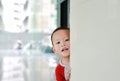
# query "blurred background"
(25, 45)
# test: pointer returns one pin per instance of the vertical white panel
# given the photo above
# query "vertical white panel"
(95, 40)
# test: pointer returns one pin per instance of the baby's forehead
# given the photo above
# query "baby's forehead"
(60, 34)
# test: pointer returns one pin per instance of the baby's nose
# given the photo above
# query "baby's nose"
(62, 44)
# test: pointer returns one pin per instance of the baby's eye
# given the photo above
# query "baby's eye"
(67, 39)
(57, 42)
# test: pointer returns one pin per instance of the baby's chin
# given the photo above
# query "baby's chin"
(65, 54)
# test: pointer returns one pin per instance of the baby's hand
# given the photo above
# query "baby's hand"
(69, 73)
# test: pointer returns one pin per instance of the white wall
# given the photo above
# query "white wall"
(95, 40)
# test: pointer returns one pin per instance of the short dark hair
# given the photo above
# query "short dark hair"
(59, 28)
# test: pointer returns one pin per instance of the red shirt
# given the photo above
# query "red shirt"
(59, 71)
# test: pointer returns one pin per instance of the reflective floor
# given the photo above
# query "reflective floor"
(31, 65)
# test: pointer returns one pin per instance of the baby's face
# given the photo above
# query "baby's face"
(61, 43)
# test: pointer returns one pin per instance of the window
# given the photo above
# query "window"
(29, 15)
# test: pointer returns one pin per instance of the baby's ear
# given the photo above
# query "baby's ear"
(53, 49)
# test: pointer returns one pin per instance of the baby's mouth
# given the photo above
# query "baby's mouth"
(64, 49)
